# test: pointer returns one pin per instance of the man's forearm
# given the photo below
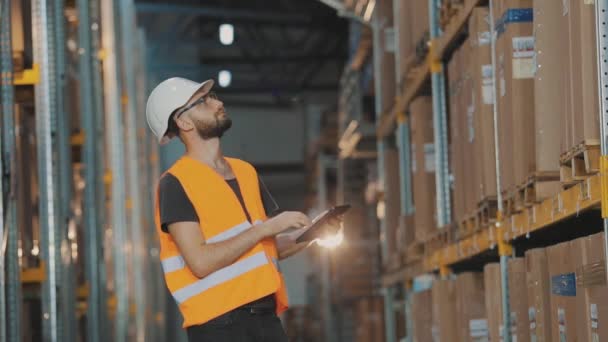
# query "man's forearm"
(214, 256)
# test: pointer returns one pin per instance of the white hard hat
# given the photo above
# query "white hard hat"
(166, 98)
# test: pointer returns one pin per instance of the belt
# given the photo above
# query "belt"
(263, 305)
(256, 310)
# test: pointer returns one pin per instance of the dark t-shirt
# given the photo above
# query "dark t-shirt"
(175, 206)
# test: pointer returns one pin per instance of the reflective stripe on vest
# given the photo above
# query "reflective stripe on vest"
(225, 274)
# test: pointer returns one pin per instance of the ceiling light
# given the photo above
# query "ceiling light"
(226, 34)
(225, 78)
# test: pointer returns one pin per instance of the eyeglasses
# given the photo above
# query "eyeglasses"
(203, 99)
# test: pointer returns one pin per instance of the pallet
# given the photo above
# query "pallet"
(537, 187)
(483, 216)
(439, 240)
(579, 163)
(414, 252)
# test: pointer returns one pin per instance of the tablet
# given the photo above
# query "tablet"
(316, 229)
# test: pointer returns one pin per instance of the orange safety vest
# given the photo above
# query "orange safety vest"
(253, 276)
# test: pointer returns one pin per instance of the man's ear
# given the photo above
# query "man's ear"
(184, 123)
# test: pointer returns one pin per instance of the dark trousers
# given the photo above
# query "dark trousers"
(240, 325)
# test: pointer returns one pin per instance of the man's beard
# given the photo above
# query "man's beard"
(213, 129)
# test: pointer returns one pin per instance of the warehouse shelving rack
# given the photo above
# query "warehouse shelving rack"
(590, 194)
(76, 210)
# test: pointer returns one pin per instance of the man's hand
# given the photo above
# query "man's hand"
(288, 247)
(284, 221)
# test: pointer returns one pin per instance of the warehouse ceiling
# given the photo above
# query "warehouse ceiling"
(282, 48)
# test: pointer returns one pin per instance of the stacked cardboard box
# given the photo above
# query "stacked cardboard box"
(592, 291)
(539, 289)
(423, 167)
(405, 45)
(515, 52)
(392, 200)
(456, 136)
(443, 310)
(384, 10)
(422, 317)
(581, 118)
(420, 25)
(369, 325)
(463, 138)
(518, 300)
(483, 115)
(549, 80)
(493, 300)
(471, 323)
(470, 92)
(355, 272)
(562, 269)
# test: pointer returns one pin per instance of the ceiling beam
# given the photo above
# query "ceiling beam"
(270, 59)
(222, 13)
(277, 88)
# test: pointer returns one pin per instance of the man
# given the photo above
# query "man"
(218, 250)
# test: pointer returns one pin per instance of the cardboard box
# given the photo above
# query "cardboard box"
(467, 109)
(405, 233)
(539, 289)
(420, 20)
(392, 198)
(471, 322)
(592, 291)
(563, 290)
(405, 45)
(369, 324)
(583, 71)
(481, 76)
(493, 300)
(548, 84)
(564, 33)
(422, 317)
(17, 26)
(456, 120)
(384, 9)
(517, 52)
(443, 295)
(505, 119)
(518, 300)
(423, 167)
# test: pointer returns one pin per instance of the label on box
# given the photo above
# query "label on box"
(523, 57)
(501, 333)
(389, 39)
(561, 323)
(514, 326)
(478, 329)
(487, 84)
(435, 333)
(532, 317)
(484, 38)
(471, 124)
(565, 7)
(413, 159)
(523, 68)
(594, 316)
(523, 47)
(429, 157)
(564, 285)
(589, 2)
(501, 75)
